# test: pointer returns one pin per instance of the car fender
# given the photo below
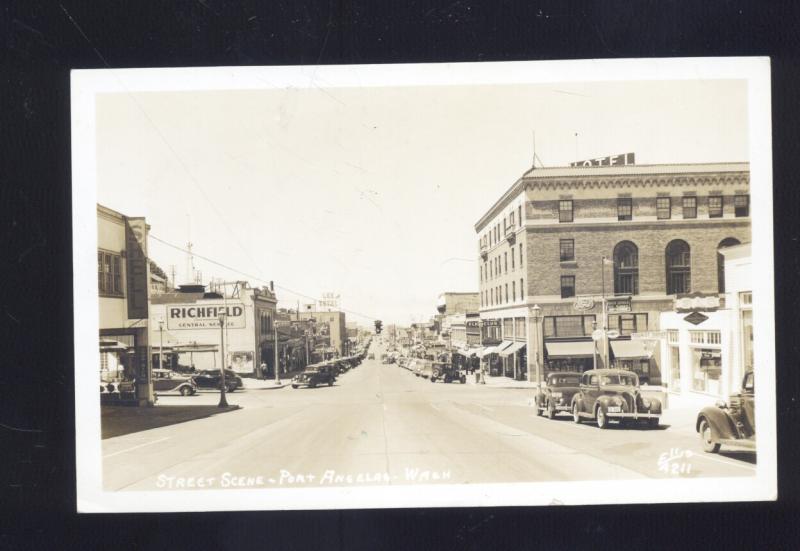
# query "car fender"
(655, 405)
(720, 421)
(577, 399)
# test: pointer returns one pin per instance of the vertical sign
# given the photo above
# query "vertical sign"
(136, 267)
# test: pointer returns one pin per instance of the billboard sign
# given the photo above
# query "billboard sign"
(612, 160)
(205, 315)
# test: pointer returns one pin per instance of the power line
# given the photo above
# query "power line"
(252, 277)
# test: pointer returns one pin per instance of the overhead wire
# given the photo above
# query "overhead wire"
(251, 276)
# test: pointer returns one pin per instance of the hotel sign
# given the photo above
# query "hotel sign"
(612, 160)
(205, 315)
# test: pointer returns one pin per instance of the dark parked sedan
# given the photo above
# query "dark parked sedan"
(314, 376)
(210, 379)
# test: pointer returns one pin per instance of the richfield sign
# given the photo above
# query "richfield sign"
(193, 316)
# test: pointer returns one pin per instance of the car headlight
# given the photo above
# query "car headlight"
(556, 395)
(646, 403)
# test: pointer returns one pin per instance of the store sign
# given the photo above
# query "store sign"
(697, 302)
(617, 305)
(205, 315)
(612, 160)
(582, 304)
(695, 318)
(649, 335)
(137, 270)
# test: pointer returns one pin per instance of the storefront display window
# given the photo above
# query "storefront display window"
(675, 368)
(706, 370)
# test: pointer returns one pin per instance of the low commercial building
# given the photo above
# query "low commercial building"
(564, 245)
(123, 279)
(186, 323)
(330, 332)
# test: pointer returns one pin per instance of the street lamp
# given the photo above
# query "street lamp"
(160, 342)
(535, 315)
(223, 402)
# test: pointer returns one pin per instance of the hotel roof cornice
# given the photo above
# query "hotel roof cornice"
(690, 174)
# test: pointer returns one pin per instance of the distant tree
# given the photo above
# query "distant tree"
(155, 269)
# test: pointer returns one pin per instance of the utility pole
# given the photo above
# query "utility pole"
(161, 343)
(277, 365)
(223, 402)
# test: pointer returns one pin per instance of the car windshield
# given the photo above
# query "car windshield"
(618, 379)
(565, 380)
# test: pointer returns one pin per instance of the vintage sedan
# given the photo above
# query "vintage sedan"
(314, 376)
(732, 424)
(556, 395)
(166, 381)
(606, 394)
(211, 379)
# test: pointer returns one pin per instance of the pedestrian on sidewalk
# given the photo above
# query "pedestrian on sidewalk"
(263, 368)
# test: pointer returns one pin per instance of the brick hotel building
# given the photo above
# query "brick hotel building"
(542, 243)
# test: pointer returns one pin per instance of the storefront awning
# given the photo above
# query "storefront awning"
(516, 347)
(629, 349)
(107, 345)
(579, 349)
(488, 350)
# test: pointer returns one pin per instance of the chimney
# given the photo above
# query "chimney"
(271, 286)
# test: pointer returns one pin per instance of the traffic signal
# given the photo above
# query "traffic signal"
(378, 327)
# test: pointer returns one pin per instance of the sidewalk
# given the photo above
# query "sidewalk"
(119, 420)
(501, 382)
(267, 384)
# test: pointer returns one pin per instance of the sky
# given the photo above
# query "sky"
(372, 193)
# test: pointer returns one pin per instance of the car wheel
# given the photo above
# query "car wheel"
(707, 436)
(312, 385)
(294, 386)
(463, 380)
(576, 416)
(551, 411)
(602, 420)
(653, 422)
(536, 405)
(186, 391)
(330, 383)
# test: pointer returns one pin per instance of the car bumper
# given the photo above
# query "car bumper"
(627, 415)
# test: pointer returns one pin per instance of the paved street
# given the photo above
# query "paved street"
(379, 424)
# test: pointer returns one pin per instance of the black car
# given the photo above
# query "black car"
(314, 376)
(732, 423)
(556, 395)
(210, 379)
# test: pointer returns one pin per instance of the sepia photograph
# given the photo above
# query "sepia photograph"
(438, 285)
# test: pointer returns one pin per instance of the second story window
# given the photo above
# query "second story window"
(514, 291)
(567, 286)
(109, 273)
(663, 208)
(567, 250)
(624, 208)
(741, 205)
(565, 211)
(511, 219)
(505, 262)
(690, 207)
(715, 206)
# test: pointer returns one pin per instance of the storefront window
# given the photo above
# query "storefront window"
(675, 368)
(747, 339)
(706, 370)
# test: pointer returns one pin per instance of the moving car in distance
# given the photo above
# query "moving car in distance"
(315, 375)
(556, 395)
(211, 379)
(447, 373)
(732, 424)
(606, 394)
(166, 381)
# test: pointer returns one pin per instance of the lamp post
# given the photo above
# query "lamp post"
(535, 316)
(275, 348)
(161, 343)
(605, 311)
(223, 402)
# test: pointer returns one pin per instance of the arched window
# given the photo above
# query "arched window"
(626, 269)
(679, 267)
(727, 242)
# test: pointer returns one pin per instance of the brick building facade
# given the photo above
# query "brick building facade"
(543, 243)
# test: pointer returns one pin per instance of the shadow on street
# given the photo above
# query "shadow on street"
(119, 420)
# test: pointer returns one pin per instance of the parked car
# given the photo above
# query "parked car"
(732, 424)
(315, 375)
(556, 395)
(447, 373)
(211, 379)
(166, 381)
(606, 394)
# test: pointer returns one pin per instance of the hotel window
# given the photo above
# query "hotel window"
(109, 273)
(626, 269)
(566, 250)
(567, 286)
(514, 291)
(519, 214)
(679, 270)
(565, 211)
(663, 208)
(624, 208)
(505, 262)
(511, 221)
(715, 206)
(512, 259)
(506, 290)
(690, 207)
(568, 326)
(520, 255)
(741, 205)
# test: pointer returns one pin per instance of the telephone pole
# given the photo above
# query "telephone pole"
(223, 402)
